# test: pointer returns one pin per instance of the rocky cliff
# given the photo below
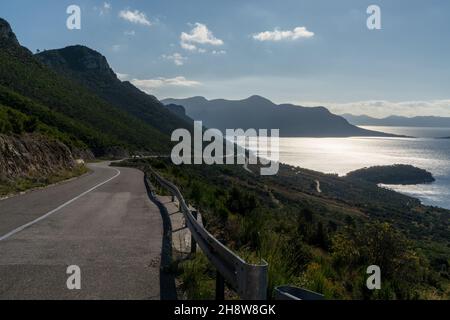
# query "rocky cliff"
(6, 33)
(32, 155)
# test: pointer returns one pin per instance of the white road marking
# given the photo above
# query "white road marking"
(21, 228)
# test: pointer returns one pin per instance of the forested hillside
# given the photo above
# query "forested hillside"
(67, 107)
(323, 241)
(89, 68)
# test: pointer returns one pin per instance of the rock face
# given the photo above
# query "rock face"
(83, 154)
(32, 155)
(6, 33)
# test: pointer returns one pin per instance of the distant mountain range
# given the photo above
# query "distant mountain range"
(398, 121)
(260, 113)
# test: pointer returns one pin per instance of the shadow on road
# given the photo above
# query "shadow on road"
(168, 289)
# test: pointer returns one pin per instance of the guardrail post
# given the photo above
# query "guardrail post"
(193, 242)
(220, 287)
(254, 281)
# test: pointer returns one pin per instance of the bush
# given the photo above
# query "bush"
(379, 244)
(196, 282)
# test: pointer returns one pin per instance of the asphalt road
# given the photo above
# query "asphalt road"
(102, 222)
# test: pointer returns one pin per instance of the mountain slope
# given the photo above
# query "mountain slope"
(179, 111)
(258, 112)
(398, 121)
(91, 69)
(32, 88)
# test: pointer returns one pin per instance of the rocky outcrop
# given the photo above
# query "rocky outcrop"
(32, 155)
(7, 36)
(83, 154)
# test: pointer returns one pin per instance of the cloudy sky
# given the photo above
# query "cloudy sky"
(305, 52)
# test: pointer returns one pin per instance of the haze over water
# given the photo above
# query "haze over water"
(341, 155)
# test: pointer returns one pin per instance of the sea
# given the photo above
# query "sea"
(422, 149)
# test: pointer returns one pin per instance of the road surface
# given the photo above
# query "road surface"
(102, 222)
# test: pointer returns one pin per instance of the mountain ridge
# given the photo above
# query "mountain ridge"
(91, 69)
(260, 113)
(65, 107)
(398, 121)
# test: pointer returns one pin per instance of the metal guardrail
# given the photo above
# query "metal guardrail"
(248, 280)
(295, 293)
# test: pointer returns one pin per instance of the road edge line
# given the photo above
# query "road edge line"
(29, 224)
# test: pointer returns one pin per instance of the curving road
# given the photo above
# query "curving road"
(102, 222)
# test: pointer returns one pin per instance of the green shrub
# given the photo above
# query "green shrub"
(196, 277)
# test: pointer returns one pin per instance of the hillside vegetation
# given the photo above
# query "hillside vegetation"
(56, 101)
(395, 174)
(49, 118)
(92, 70)
(321, 241)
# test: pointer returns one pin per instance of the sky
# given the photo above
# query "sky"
(290, 51)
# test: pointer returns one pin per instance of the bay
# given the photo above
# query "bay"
(342, 155)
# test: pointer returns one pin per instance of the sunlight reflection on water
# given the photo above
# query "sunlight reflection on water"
(341, 155)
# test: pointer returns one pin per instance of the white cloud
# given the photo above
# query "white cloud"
(278, 35)
(199, 35)
(130, 33)
(116, 47)
(135, 16)
(177, 58)
(218, 52)
(189, 47)
(151, 84)
(103, 9)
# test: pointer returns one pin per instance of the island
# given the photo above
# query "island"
(393, 174)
